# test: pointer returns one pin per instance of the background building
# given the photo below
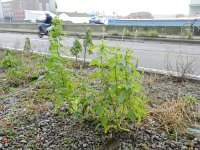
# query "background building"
(194, 8)
(37, 5)
(7, 10)
(1, 11)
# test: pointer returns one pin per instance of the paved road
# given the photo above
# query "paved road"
(151, 54)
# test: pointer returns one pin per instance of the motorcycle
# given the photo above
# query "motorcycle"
(44, 29)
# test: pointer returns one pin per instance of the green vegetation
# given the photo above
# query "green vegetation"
(27, 46)
(9, 61)
(189, 99)
(121, 95)
(56, 73)
(87, 43)
(76, 48)
(111, 95)
(118, 96)
(137, 33)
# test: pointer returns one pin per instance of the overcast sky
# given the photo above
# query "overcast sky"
(124, 7)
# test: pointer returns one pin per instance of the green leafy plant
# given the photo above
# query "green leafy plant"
(27, 45)
(87, 43)
(120, 95)
(9, 61)
(56, 72)
(76, 48)
(21, 75)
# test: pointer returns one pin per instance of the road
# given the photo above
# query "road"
(151, 54)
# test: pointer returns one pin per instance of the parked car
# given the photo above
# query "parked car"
(98, 20)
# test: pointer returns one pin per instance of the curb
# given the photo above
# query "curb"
(163, 39)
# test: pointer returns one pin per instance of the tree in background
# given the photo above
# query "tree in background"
(87, 43)
(180, 15)
(76, 48)
(140, 15)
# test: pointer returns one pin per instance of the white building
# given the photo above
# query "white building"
(194, 8)
(33, 15)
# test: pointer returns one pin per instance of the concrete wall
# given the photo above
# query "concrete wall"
(80, 28)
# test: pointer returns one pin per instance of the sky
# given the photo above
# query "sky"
(124, 7)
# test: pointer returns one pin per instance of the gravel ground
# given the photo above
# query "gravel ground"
(47, 130)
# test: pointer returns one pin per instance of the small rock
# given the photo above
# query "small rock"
(6, 145)
(172, 145)
(184, 148)
(85, 145)
(178, 144)
(163, 135)
(149, 131)
(153, 145)
(157, 138)
(74, 146)
(23, 141)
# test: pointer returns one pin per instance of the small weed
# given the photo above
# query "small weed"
(189, 99)
(27, 45)
(87, 43)
(9, 61)
(76, 48)
(66, 141)
(32, 146)
(142, 147)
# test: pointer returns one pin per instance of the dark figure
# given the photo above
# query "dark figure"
(45, 24)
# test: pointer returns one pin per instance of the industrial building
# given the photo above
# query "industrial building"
(15, 9)
(39, 5)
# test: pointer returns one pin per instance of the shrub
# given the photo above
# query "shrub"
(9, 61)
(120, 95)
(76, 48)
(87, 43)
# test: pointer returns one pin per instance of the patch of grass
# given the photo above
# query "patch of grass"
(175, 114)
(66, 141)
(141, 33)
(189, 99)
(7, 127)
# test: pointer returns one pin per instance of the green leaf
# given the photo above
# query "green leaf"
(131, 115)
(137, 73)
(106, 93)
(95, 74)
(100, 110)
(113, 88)
(93, 62)
(104, 121)
(107, 128)
(127, 86)
(122, 97)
